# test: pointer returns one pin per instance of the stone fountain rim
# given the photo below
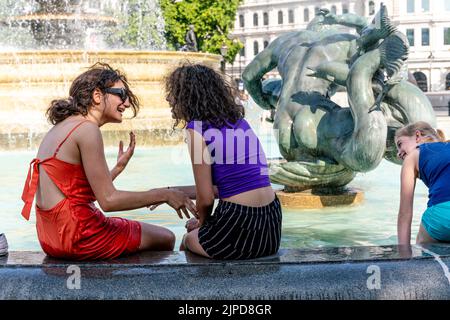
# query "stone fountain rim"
(56, 16)
(109, 52)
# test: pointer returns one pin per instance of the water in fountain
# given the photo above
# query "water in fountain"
(44, 44)
(81, 24)
(30, 78)
(373, 222)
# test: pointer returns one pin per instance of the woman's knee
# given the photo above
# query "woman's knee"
(188, 238)
(192, 243)
(156, 238)
(165, 240)
(170, 238)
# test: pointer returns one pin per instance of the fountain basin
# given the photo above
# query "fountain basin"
(311, 200)
(366, 273)
(29, 80)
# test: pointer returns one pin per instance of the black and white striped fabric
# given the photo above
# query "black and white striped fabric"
(237, 232)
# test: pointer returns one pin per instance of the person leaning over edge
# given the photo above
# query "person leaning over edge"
(426, 156)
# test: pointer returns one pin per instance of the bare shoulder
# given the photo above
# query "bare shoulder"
(88, 131)
(411, 161)
(89, 127)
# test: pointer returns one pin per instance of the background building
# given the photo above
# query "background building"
(425, 22)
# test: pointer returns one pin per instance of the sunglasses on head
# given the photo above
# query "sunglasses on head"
(121, 92)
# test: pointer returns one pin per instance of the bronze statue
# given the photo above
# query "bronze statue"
(326, 144)
(191, 40)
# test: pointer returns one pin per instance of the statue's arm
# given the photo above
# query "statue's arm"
(254, 72)
(350, 20)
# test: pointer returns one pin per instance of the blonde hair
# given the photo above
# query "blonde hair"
(430, 134)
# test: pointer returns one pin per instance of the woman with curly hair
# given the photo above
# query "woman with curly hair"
(227, 160)
(70, 172)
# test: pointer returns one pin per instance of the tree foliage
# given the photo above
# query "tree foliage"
(213, 21)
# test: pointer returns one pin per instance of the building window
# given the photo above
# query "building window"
(316, 10)
(291, 16)
(425, 5)
(410, 36)
(447, 82)
(266, 18)
(447, 5)
(344, 8)
(410, 6)
(446, 36)
(241, 21)
(242, 52)
(371, 8)
(425, 36)
(255, 19)
(255, 48)
(421, 80)
(266, 43)
(306, 15)
(280, 17)
(333, 9)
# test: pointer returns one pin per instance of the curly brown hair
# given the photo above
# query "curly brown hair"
(197, 92)
(99, 76)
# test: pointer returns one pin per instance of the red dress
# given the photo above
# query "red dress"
(74, 228)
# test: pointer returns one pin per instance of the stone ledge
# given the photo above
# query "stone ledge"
(327, 273)
(309, 200)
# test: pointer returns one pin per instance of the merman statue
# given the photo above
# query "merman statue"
(324, 144)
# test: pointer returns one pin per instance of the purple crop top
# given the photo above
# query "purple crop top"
(238, 161)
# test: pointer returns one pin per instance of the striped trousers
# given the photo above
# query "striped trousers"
(236, 231)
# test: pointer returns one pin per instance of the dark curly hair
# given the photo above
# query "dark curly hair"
(99, 76)
(197, 92)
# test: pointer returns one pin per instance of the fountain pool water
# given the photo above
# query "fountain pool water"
(374, 222)
(30, 79)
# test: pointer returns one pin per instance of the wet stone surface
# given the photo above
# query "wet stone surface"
(343, 273)
(284, 256)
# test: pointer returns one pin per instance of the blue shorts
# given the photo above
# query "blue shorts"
(436, 221)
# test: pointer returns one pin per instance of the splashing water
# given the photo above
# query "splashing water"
(45, 44)
(81, 24)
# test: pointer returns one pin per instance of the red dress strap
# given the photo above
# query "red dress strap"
(29, 190)
(68, 135)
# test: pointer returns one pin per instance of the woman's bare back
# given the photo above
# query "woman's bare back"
(48, 194)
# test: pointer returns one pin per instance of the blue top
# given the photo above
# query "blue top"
(238, 161)
(434, 171)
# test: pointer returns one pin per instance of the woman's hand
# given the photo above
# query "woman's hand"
(124, 156)
(405, 251)
(329, 17)
(192, 224)
(180, 202)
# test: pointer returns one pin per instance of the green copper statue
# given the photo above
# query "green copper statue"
(325, 144)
